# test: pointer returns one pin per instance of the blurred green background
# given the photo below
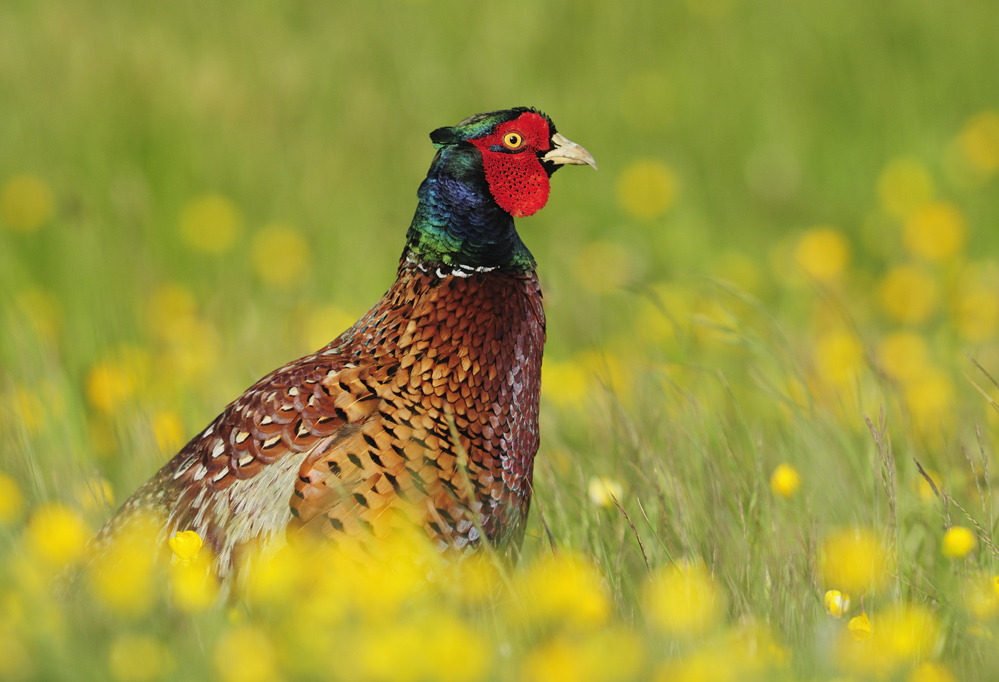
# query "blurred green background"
(793, 225)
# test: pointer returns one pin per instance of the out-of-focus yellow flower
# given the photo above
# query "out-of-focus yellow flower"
(823, 253)
(323, 324)
(930, 399)
(903, 355)
(979, 141)
(192, 350)
(839, 358)
(26, 203)
(168, 430)
(837, 603)
(139, 658)
(567, 384)
(908, 294)
(562, 589)
(193, 585)
(210, 224)
(603, 491)
(112, 383)
(785, 481)
(167, 304)
(904, 186)
(603, 267)
(852, 558)
(900, 636)
(647, 101)
(924, 489)
(122, 575)
(860, 627)
(609, 371)
(931, 672)
(646, 189)
(602, 655)
(976, 313)
(958, 542)
(935, 231)
(981, 596)
(11, 500)
(245, 654)
(57, 534)
(275, 578)
(684, 600)
(186, 545)
(280, 255)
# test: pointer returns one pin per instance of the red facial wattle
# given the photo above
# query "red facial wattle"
(516, 178)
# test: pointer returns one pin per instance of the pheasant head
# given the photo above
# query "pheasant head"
(489, 169)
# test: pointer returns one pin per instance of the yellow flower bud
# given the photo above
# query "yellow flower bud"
(958, 541)
(860, 627)
(186, 545)
(785, 481)
(837, 603)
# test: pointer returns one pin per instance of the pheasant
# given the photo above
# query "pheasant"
(427, 407)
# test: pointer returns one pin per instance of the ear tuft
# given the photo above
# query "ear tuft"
(443, 136)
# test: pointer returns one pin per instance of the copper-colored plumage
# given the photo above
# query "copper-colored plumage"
(364, 426)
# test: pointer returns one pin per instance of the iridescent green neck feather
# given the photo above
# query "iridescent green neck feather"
(457, 222)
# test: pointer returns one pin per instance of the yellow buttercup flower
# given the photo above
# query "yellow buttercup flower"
(564, 588)
(26, 203)
(11, 500)
(823, 253)
(903, 355)
(323, 324)
(210, 224)
(112, 383)
(981, 597)
(785, 481)
(186, 545)
(854, 559)
(931, 672)
(167, 304)
(280, 255)
(860, 627)
(935, 231)
(839, 358)
(684, 600)
(57, 534)
(168, 430)
(904, 186)
(979, 141)
(930, 398)
(958, 542)
(646, 189)
(122, 576)
(245, 654)
(909, 294)
(837, 603)
(603, 491)
(976, 313)
(567, 384)
(193, 585)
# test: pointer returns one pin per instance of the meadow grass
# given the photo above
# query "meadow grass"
(788, 257)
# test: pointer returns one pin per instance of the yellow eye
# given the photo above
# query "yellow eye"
(513, 140)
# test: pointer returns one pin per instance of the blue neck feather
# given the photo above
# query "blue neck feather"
(457, 222)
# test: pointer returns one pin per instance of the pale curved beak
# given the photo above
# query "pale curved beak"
(568, 152)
